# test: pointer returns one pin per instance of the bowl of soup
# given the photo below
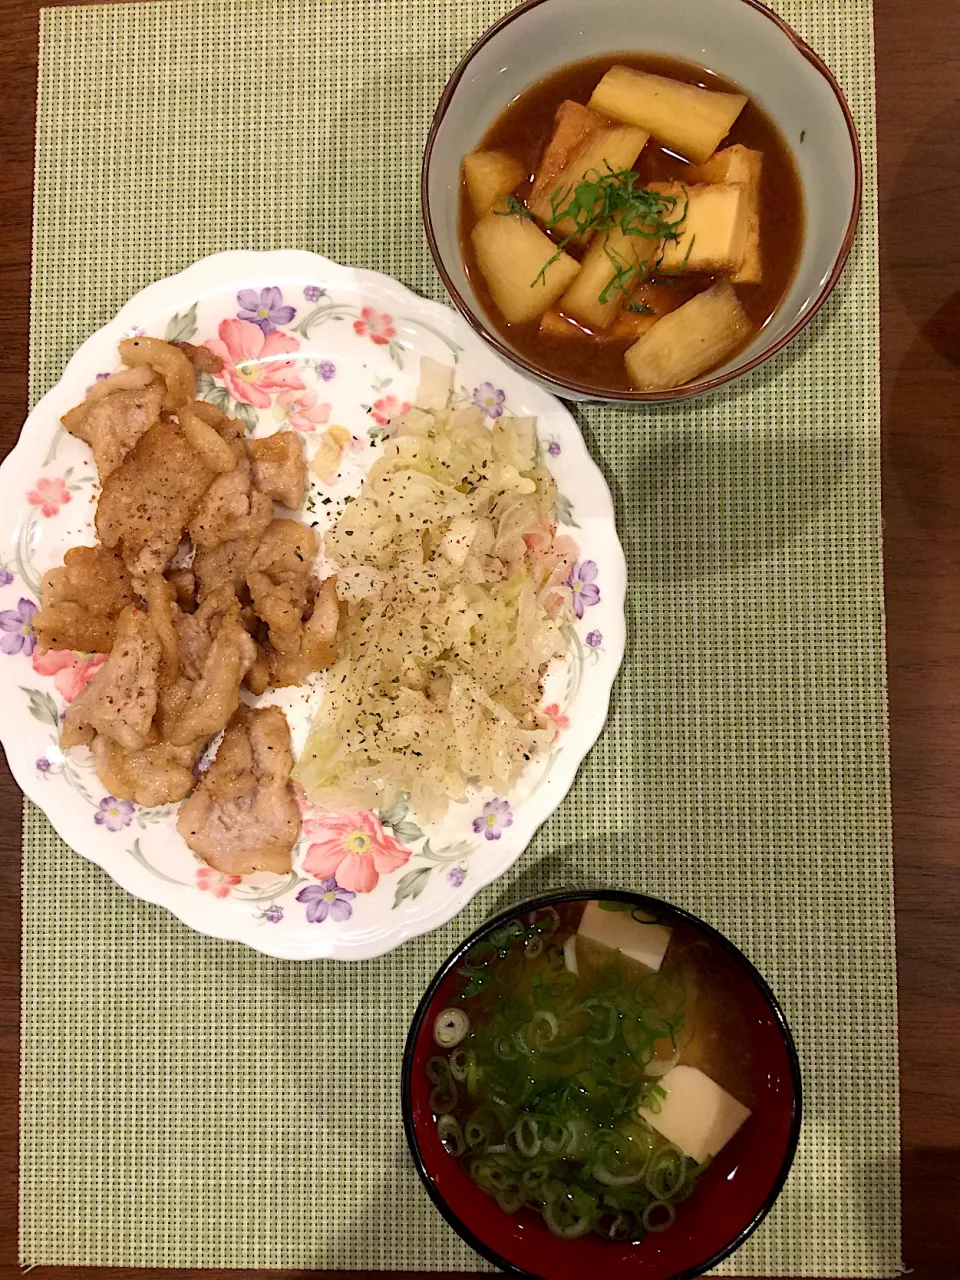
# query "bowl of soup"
(640, 202)
(601, 1083)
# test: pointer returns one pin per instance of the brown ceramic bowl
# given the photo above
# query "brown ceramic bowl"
(740, 40)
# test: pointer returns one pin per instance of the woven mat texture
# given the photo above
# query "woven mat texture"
(187, 1102)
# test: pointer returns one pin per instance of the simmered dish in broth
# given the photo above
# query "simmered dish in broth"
(627, 227)
(596, 1060)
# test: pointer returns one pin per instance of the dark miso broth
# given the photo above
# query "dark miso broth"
(523, 131)
(550, 1048)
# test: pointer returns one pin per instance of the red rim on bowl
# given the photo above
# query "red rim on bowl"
(520, 1243)
(675, 393)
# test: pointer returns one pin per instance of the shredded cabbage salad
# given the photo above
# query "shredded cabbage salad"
(454, 587)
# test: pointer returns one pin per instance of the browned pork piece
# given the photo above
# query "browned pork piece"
(279, 469)
(117, 411)
(81, 600)
(121, 699)
(148, 501)
(243, 817)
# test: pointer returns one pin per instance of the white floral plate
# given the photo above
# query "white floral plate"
(307, 344)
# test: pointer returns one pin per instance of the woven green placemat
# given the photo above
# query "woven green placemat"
(187, 1102)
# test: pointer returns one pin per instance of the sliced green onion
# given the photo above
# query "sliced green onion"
(450, 1027)
(458, 1064)
(659, 1207)
(510, 1201)
(443, 1098)
(526, 1136)
(568, 1225)
(438, 1070)
(666, 1172)
(615, 1179)
(450, 1134)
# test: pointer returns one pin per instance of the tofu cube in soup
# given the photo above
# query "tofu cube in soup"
(605, 150)
(696, 337)
(639, 939)
(490, 177)
(713, 232)
(573, 124)
(511, 253)
(696, 1114)
(742, 165)
(684, 117)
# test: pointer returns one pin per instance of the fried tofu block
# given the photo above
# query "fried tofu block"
(684, 117)
(149, 500)
(512, 252)
(81, 601)
(738, 164)
(573, 124)
(614, 147)
(279, 468)
(713, 232)
(689, 341)
(491, 175)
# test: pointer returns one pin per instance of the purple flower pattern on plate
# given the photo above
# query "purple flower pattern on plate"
(582, 582)
(455, 876)
(312, 292)
(327, 370)
(326, 899)
(6, 577)
(264, 308)
(43, 765)
(494, 819)
(489, 399)
(114, 814)
(273, 913)
(17, 624)
(594, 639)
(553, 448)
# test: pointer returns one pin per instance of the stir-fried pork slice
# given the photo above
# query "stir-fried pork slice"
(201, 358)
(225, 565)
(316, 640)
(81, 601)
(279, 468)
(159, 774)
(149, 500)
(121, 699)
(279, 579)
(116, 413)
(243, 816)
(216, 694)
(231, 509)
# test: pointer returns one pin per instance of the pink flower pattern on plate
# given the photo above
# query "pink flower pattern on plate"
(71, 671)
(376, 324)
(387, 411)
(353, 847)
(253, 362)
(299, 409)
(216, 882)
(49, 495)
(560, 721)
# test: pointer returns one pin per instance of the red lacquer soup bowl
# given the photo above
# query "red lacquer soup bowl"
(732, 1195)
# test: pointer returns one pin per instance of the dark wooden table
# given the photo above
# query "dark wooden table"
(918, 107)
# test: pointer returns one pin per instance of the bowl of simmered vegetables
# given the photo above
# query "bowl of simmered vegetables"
(601, 1082)
(643, 201)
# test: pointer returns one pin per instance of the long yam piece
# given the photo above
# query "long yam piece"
(684, 117)
(491, 175)
(511, 253)
(688, 341)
